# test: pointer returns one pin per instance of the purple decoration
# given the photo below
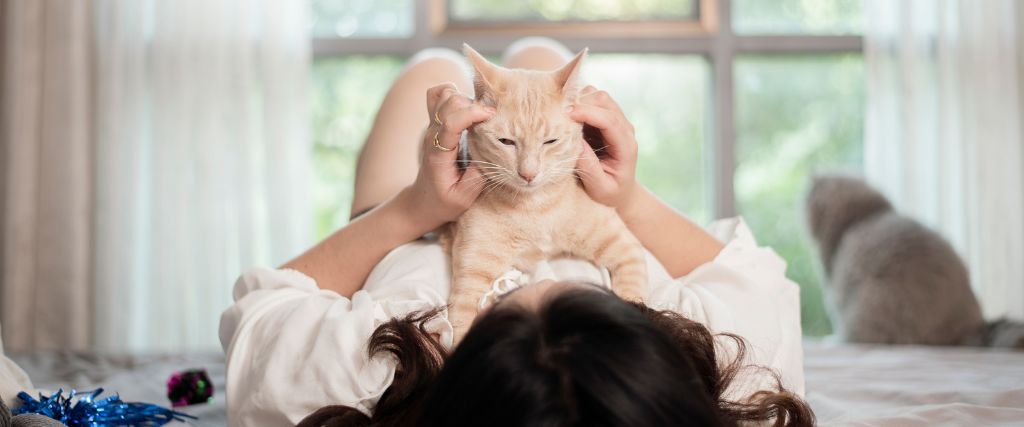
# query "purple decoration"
(189, 388)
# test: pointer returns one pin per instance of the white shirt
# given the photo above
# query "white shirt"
(293, 348)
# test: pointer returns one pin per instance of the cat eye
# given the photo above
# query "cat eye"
(506, 141)
(550, 141)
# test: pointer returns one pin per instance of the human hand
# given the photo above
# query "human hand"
(442, 192)
(609, 177)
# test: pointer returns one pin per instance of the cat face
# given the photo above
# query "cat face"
(530, 141)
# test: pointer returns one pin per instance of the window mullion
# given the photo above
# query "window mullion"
(723, 151)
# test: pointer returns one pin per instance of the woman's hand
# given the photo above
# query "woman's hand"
(442, 192)
(609, 177)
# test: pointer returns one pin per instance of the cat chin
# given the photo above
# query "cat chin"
(527, 188)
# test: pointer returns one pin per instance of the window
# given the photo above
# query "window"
(571, 10)
(736, 103)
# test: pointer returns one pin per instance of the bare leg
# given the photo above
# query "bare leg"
(536, 53)
(389, 159)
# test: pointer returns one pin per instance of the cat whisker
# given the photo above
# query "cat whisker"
(479, 167)
(490, 177)
(493, 184)
(481, 161)
(481, 164)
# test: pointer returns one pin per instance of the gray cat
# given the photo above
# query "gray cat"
(891, 280)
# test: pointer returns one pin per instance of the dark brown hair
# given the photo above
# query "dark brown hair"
(583, 359)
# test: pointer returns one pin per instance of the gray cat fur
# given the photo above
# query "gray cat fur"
(890, 279)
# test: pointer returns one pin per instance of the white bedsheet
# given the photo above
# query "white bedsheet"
(914, 386)
(846, 385)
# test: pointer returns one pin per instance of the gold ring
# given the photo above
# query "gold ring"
(438, 119)
(437, 143)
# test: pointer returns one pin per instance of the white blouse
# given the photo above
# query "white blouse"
(293, 348)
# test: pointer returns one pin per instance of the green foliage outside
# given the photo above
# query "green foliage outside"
(797, 16)
(796, 116)
(345, 94)
(570, 10)
(361, 18)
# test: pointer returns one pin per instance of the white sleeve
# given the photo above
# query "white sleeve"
(743, 291)
(292, 348)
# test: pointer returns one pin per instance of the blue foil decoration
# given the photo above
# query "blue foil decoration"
(85, 410)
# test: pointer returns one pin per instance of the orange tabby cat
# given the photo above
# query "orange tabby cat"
(534, 207)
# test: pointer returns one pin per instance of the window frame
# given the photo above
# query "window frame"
(711, 35)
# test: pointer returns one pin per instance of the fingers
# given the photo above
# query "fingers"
(595, 116)
(594, 96)
(593, 174)
(437, 94)
(589, 163)
(456, 113)
(471, 183)
(598, 110)
(449, 133)
(615, 130)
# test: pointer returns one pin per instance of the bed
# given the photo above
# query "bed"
(848, 385)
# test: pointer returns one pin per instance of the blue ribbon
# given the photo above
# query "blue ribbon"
(88, 411)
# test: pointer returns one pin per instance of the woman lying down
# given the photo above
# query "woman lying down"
(559, 291)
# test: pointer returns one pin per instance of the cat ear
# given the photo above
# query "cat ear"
(568, 77)
(484, 76)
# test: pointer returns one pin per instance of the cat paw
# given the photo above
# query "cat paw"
(461, 321)
(630, 295)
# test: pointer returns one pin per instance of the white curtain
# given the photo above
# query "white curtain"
(944, 136)
(46, 196)
(197, 159)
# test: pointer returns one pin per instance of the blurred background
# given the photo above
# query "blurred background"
(152, 150)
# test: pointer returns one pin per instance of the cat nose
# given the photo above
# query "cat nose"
(528, 176)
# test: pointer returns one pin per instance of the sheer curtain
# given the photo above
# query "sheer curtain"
(201, 160)
(944, 137)
(189, 165)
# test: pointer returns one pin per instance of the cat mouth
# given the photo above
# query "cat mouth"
(528, 186)
(522, 184)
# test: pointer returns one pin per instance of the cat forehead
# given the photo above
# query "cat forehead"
(521, 123)
(516, 84)
(528, 102)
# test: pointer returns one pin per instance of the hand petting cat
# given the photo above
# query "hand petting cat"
(442, 192)
(609, 177)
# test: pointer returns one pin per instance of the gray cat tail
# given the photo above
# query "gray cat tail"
(1003, 333)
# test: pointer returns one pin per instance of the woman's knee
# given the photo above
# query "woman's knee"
(436, 66)
(541, 53)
